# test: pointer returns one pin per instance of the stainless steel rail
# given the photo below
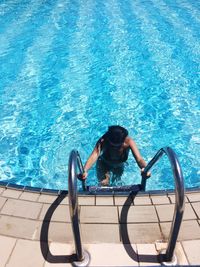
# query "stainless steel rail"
(83, 257)
(179, 196)
(74, 162)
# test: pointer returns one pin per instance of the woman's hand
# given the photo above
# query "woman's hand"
(144, 174)
(84, 175)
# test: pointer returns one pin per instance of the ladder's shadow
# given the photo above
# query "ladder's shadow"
(49, 257)
(44, 244)
(125, 236)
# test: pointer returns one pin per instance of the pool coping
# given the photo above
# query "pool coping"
(57, 192)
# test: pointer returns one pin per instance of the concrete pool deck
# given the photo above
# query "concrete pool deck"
(35, 229)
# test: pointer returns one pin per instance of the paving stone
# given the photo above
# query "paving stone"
(44, 198)
(86, 200)
(29, 196)
(6, 244)
(58, 255)
(165, 212)
(160, 245)
(157, 200)
(1, 190)
(189, 230)
(55, 232)
(2, 201)
(193, 197)
(99, 225)
(98, 214)
(189, 212)
(142, 200)
(178, 252)
(173, 198)
(120, 200)
(97, 233)
(138, 214)
(140, 233)
(12, 193)
(103, 200)
(192, 249)
(148, 255)
(60, 213)
(110, 255)
(65, 201)
(26, 254)
(21, 208)
(196, 207)
(17, 227)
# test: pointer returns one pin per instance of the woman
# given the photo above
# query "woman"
(111, 152)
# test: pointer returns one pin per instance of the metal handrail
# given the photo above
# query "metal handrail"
(179, 196)
(74, 162)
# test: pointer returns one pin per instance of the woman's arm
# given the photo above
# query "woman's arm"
(136, 154)
(91, 160)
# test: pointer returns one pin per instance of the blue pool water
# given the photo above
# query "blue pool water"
(70, 68)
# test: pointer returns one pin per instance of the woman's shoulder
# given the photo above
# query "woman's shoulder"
(129, 141)
(101, 140)
(126, 142)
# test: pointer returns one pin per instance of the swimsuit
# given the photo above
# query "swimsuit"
(112, 155)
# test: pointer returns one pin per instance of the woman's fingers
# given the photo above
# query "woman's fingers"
(84, 175)
(147, 174)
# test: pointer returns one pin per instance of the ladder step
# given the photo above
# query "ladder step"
(126, 188)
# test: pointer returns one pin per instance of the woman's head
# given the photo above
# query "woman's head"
(116, 135)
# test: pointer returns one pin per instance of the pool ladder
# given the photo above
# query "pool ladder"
(83, 257)
(167, 256)
(179, 198)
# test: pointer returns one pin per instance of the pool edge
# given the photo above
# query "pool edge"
(57, 192)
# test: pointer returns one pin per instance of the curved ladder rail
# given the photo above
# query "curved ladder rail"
(74, 162)
(179, 196)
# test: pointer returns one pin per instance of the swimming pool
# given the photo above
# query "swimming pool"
(69, 69)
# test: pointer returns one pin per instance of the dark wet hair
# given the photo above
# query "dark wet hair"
(116, 135)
